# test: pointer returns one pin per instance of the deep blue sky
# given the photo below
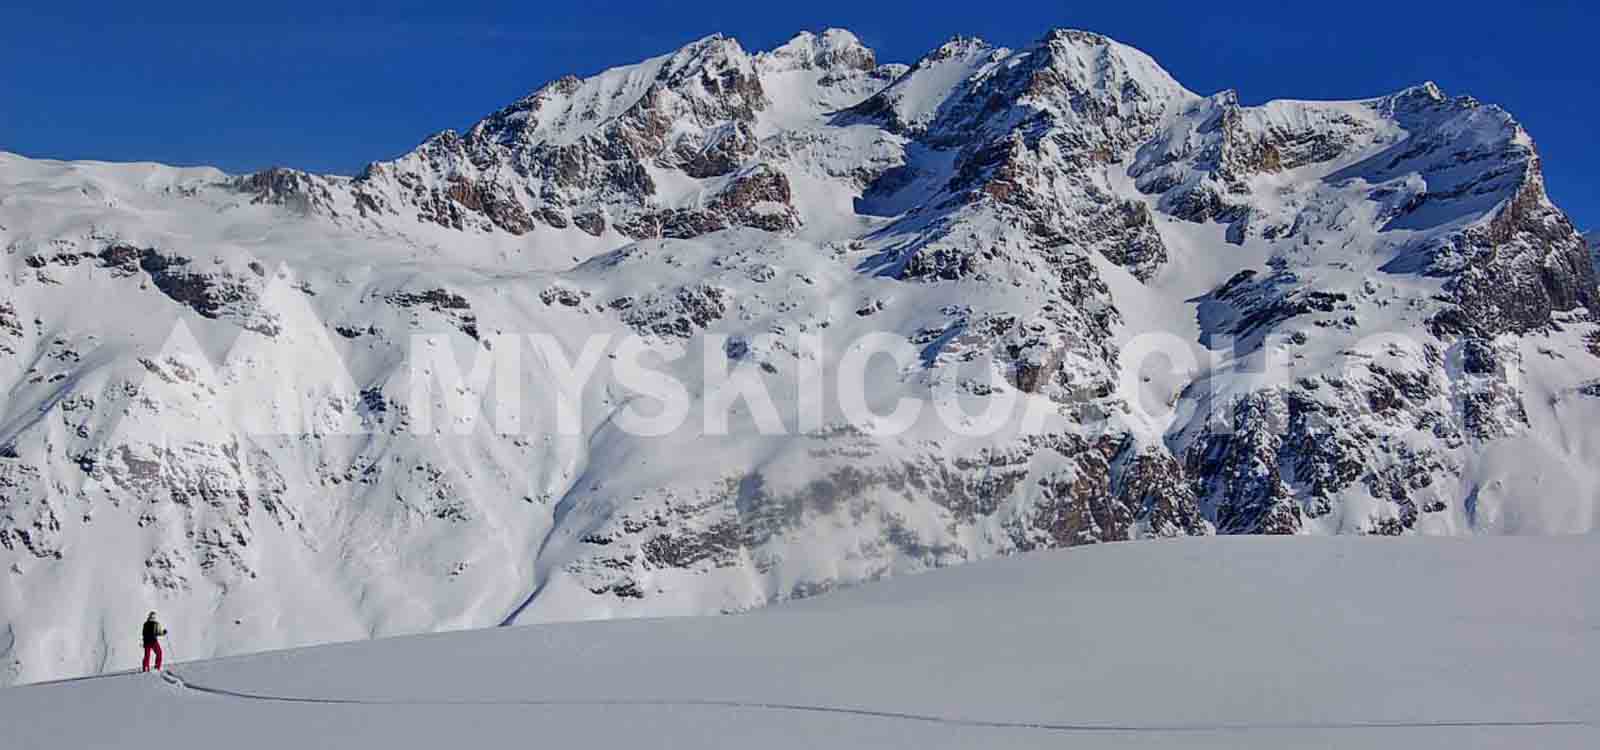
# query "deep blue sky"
(329, 88)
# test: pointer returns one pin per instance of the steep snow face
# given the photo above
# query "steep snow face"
(309, 408)
(812, 76)
(912, 103)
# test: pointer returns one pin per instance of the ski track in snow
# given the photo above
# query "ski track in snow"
(178, 681)
(928, 718)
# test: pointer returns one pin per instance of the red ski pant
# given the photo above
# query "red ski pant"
(148, 648)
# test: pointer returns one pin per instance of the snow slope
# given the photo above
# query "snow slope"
(1225, 643)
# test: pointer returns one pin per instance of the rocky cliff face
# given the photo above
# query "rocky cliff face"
(1207, 317)
(1024, 137)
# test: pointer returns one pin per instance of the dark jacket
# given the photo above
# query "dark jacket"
(152, 631)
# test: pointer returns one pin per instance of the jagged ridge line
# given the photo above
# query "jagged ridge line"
(882, 714)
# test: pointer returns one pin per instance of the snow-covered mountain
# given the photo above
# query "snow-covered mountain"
(1191, 316)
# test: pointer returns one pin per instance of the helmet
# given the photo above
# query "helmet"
(152, 617)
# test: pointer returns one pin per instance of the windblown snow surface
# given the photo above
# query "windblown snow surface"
(1214, 643)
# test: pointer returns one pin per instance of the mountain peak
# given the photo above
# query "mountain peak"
(713, 55)
(833, 49)
(1098, 62)
(1077, 36)
(957, 46)
(1423, 96)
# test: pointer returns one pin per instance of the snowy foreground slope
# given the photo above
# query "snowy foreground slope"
(1224, 643)
(285, 408)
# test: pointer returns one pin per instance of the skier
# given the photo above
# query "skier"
(152, 640)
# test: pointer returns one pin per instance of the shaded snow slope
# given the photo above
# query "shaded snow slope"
(1306, 318)
(1237, 643)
